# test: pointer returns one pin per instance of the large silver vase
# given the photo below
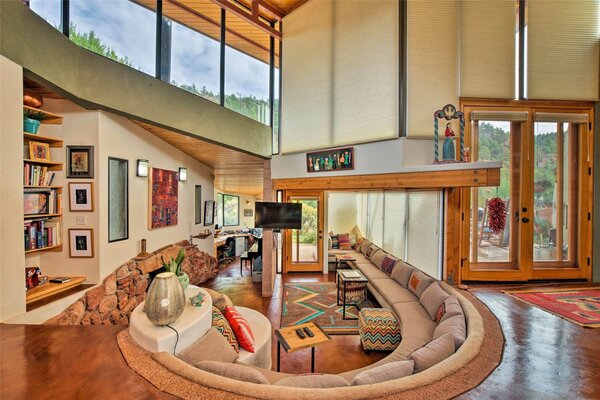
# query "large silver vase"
(165, 300)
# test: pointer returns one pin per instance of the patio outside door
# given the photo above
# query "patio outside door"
(304, 247)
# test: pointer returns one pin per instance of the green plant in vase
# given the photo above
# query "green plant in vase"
(32, 120)
(174, 266)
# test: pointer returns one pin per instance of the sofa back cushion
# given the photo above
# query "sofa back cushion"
(384, 373)
(234, 371)
(219, 300)
(455, 327)
(418, 282)
(344, 241)
(211, 347)
(432, 298)
(402, 272)
(221, 324)
(313, 381)
(377, 258)
(365, 246)
(371, 251)
(433, 352)
(449, 308)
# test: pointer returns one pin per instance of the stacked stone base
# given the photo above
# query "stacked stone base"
(112, 302)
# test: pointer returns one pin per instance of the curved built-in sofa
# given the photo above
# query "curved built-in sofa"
(418, 328)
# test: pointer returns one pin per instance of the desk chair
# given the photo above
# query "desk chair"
(227, 252)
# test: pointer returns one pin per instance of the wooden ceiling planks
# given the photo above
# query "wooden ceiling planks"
(234, 171)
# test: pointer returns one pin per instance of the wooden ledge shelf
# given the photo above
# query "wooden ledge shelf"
(476, 174)
(58, 247)
(50, 289)
(34, 216)
(51, 118)
(53, 142)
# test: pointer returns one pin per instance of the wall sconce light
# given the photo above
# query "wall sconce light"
(142, 168)
(182, 174)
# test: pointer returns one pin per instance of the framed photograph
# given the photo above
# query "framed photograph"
(163, 198)
(248, 212)
(330, 160)
(36, 202)
(39, 151)
(80, 161)
(209, 212)
(118, 199)
(198, 204)
(81, 196)
(81, 243)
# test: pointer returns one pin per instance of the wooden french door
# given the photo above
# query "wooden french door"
(304, 247)
(545, 189)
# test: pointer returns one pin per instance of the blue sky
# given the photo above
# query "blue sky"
(130, 30)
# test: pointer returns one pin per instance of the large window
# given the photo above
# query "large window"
(49, 10)
(219, 209)
(231, 210)
(118, 29)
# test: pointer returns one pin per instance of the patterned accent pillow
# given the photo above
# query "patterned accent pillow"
(371, 251)
(240, 326)
(221, 324)
(358, 245)
(388, 263)
(335, 244)
(344, 240)
(440, 312)
(413, 283)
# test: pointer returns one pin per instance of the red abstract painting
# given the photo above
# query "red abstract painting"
(163, 198)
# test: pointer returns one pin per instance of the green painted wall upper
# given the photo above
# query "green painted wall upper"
(97, 82)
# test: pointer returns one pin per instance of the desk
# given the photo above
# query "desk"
(220, 241)
(192, 324)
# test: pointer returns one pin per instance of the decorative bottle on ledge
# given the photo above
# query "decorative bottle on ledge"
(165, 300)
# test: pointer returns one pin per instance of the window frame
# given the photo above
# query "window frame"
(223, 195)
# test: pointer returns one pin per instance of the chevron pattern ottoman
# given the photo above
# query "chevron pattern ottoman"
(378, 329)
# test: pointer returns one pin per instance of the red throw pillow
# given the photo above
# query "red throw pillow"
(241, 328)
(344, 241)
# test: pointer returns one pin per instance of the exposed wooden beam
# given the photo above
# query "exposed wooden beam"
(269, 9)
(248, 16)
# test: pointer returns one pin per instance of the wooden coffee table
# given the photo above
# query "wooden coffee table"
(287, 338)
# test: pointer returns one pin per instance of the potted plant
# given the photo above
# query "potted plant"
(174, 266)
(31, 120)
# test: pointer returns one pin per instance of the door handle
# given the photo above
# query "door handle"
(525, 220)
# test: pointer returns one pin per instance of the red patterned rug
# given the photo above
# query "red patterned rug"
(578, 305)
(316, 302)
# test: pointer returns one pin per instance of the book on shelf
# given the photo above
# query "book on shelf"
(42, 233)
(41, 200)
(37, 175)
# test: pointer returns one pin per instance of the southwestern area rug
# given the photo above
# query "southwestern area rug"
(578, 305)
(316, 302)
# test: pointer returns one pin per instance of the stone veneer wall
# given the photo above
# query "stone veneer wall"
(112, 302)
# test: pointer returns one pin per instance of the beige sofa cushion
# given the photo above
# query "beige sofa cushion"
(449, 308)
(219, 300)
(432, 298)
(402, 272)
(455, 327)
(418, 282)
(234, 371)
(433, 352)
(313, 381)
(371, 271)
(365, 246)
(415, 322)
(211, 347)
(378, 257)
(392, 291)
(384, 373)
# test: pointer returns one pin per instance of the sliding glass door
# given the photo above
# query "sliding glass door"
(537, 223)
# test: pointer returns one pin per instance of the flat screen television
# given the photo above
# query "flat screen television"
(278, 215)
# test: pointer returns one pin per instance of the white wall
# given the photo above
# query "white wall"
(371, 158)
(12, 262)
(121, 138)
(246, 202)
(341, 211)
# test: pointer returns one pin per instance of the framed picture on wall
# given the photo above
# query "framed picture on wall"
(81, 196)
(80, 161)
(209, 212)
(118, 199)
(163, 207)
(330, 160)
(81, 243)
(198, 204)
(248, 212)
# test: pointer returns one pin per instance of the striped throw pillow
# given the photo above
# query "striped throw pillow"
(335, 244)
(344, 240)
(219, 322)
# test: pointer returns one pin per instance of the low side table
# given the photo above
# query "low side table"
(287, 338)
(350, 282)
(343, 258)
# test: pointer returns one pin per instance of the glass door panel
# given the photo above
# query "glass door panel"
(556, 148)
(304, 246)
(491, 248)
